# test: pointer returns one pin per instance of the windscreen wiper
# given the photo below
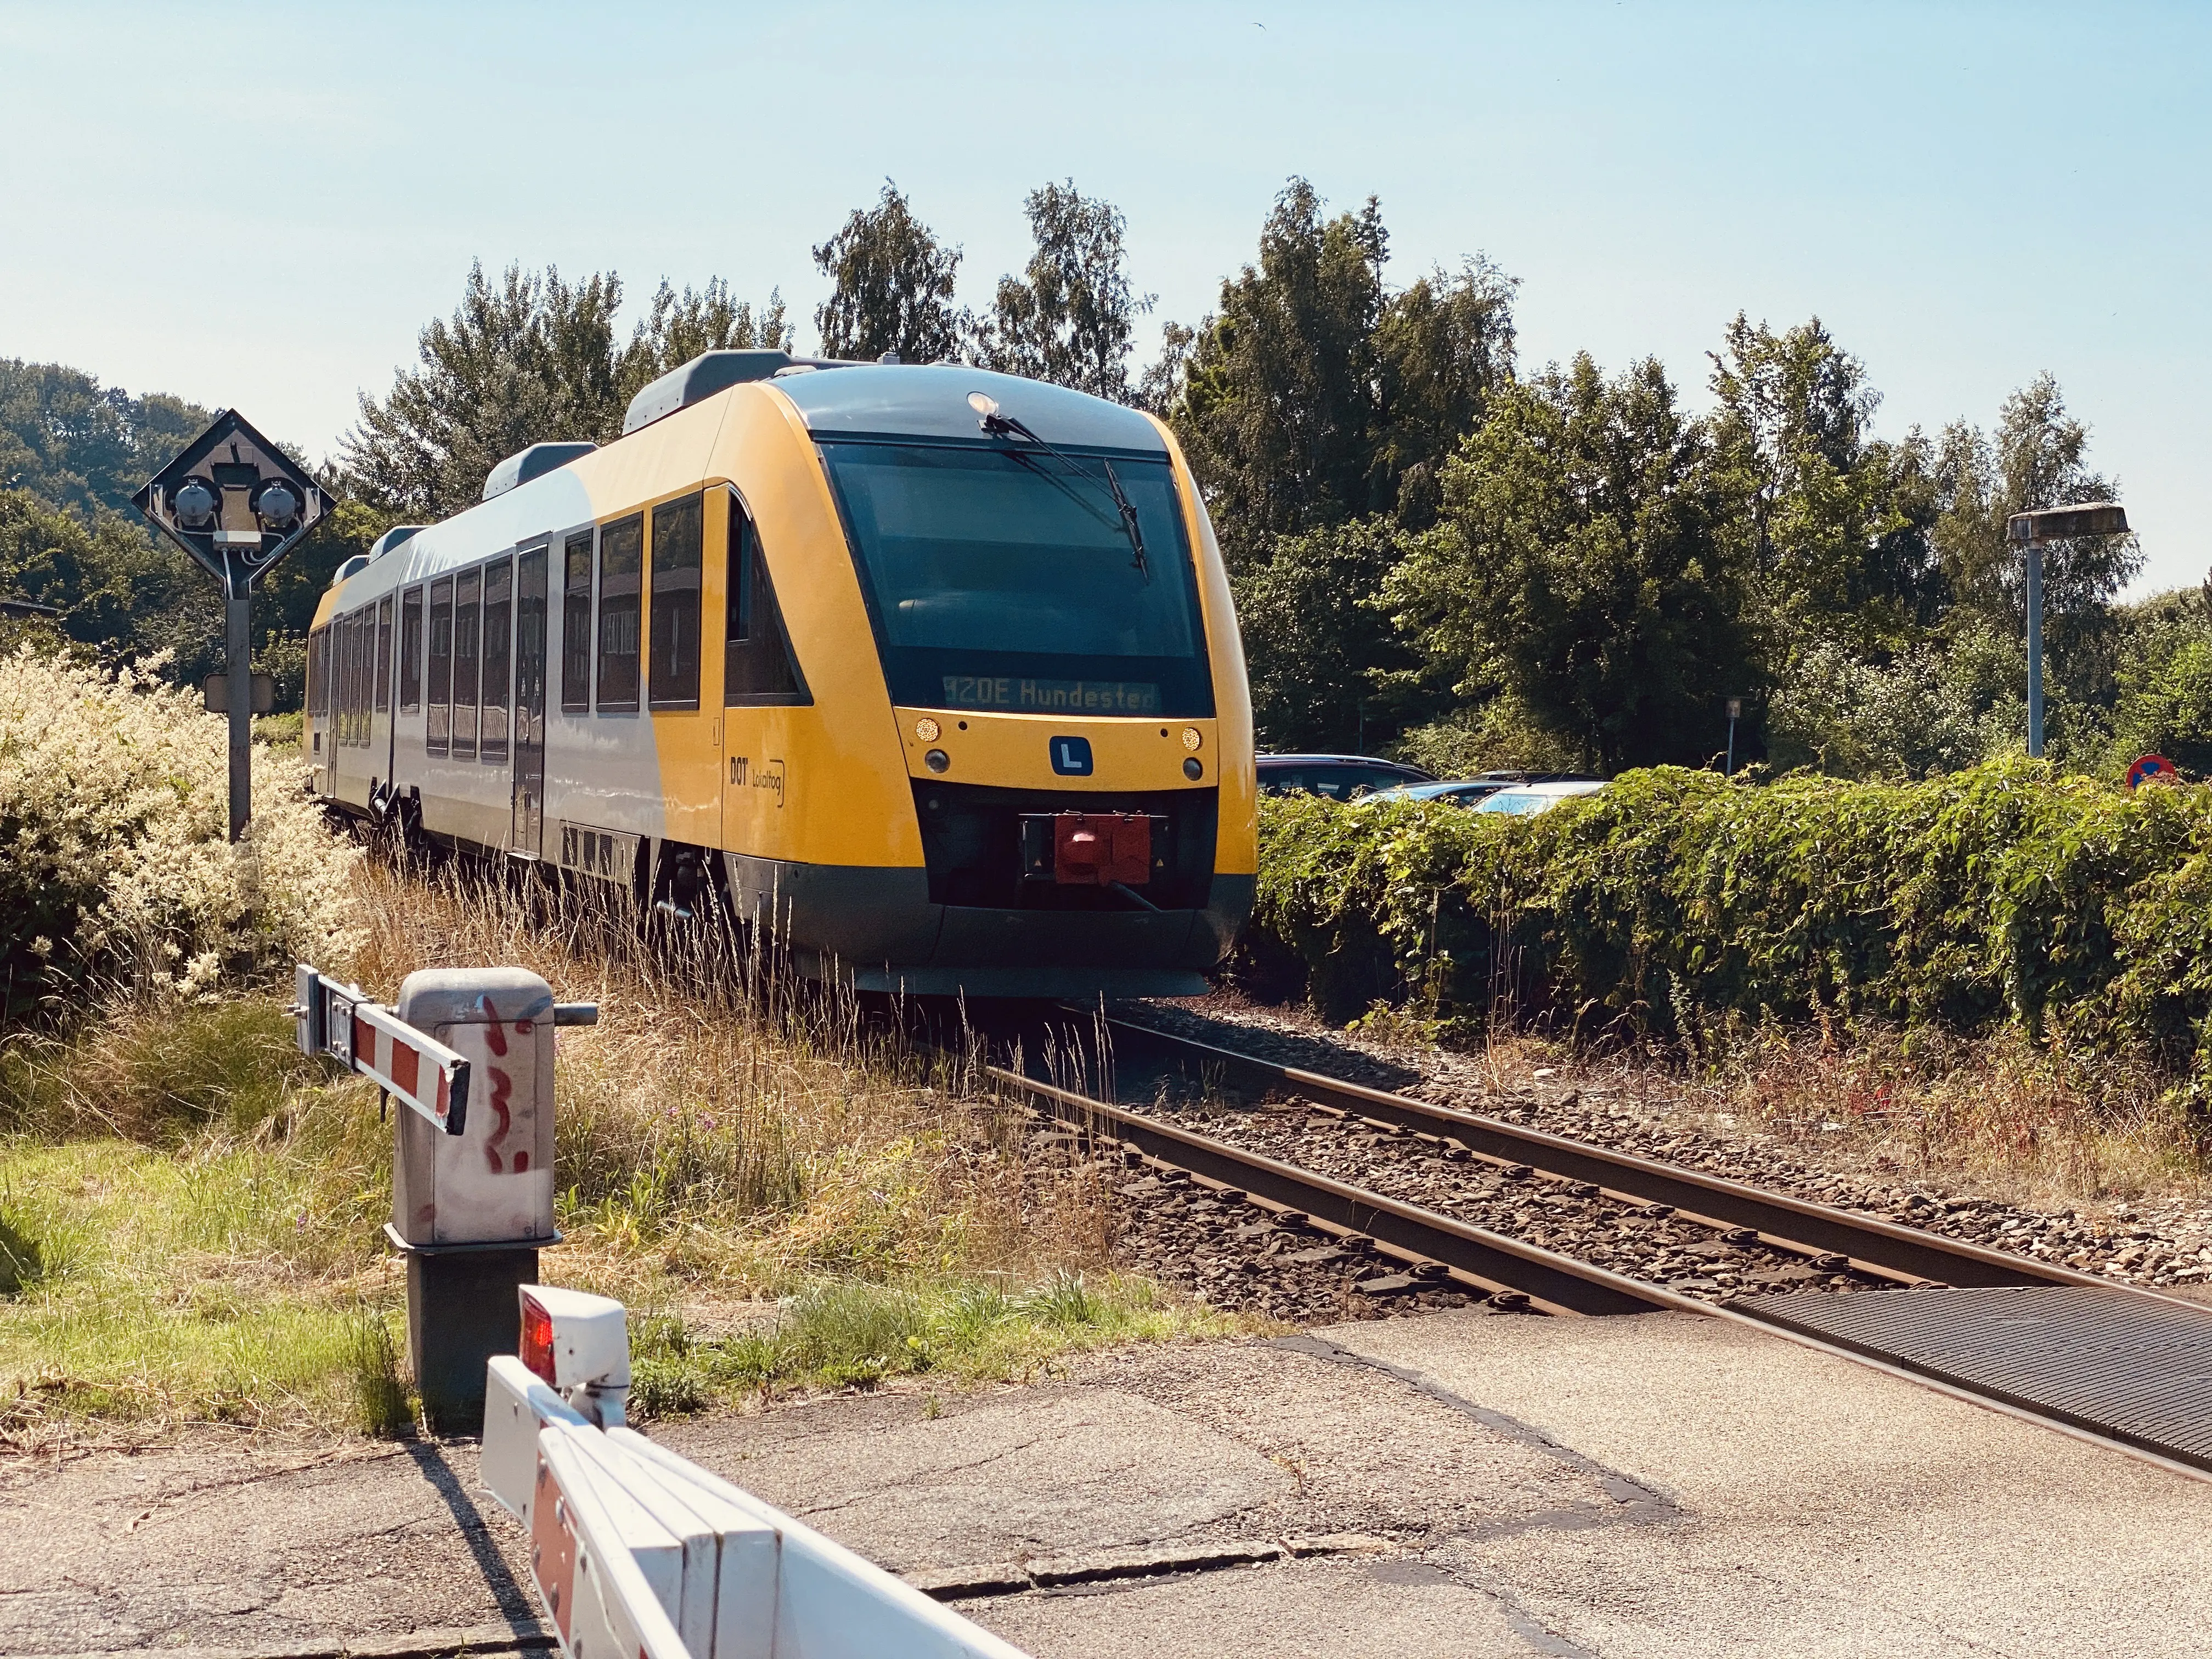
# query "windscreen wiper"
(998, 426)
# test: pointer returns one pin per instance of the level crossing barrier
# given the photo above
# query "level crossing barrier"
(635, 1553)
(469, 1053)
(639, 1553)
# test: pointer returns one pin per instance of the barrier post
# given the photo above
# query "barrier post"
(470, 1211)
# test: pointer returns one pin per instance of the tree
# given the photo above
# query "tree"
(1067, 319)
(2037, 459)
(1578, 569)
(1316, 650)
(1279, 399)
(1832, 526)
(892, 287)
(677, 327)
(531, 360)
(80, 444)
(1442, 348)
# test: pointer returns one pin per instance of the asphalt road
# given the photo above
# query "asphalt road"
(1458, 1484)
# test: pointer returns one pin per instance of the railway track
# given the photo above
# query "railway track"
(1423, 1195)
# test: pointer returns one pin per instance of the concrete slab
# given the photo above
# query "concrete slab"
(1241, 1440)
(1656, 1485)
(1297, 1610)
(1822, 1508)
(209, 1547)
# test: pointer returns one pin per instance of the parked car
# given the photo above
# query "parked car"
(1524, 798)
(1460, 791)
(1340, 777)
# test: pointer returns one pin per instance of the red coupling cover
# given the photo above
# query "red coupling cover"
(1102, 847)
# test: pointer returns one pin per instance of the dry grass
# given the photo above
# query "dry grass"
(784, 1195)
(2043, 1127)
(729, 1132)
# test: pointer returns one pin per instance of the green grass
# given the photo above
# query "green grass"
(843, 1334)
(165, 1287)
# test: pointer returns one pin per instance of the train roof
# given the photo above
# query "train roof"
(893, 400)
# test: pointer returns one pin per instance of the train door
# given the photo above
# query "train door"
(381, 723)
(758, 676)
(527, 830)
(686, 742)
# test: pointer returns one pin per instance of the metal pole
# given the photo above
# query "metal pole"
(2034, 649)
(239, 608)
(1731, 754)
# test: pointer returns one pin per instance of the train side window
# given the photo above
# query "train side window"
(621, 553)
(441, 731)
(410, 651)
(757, 666)
(468, 621)
(498, 657)
(677, 528)
(352, 681)
(576, 623)
(384, 655)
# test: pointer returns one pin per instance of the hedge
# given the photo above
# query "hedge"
(2004, 893)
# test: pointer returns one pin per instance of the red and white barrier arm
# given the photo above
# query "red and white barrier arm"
(412, 1066)
(631, 1545)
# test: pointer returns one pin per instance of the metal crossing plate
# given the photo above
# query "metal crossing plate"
(2136, 1369)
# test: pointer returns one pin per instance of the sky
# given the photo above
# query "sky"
(260, 207)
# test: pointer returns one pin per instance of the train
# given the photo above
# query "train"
(932, 672)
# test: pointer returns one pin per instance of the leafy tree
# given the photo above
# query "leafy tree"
(1578, 570)
(1067, 319)
(1833, 527)
(677, 327)
(892, 288)
(1317, 651)
(80, 444)
(531, 360)
(1278, 402)
(1316, 395)
(115, 588)
(1443, 349)
(2037, 458)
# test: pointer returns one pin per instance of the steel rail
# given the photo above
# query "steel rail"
(1882, 1248)
(1552, 1283)
(1555, 1283)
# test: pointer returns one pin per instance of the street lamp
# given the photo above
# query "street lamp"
(1734, 714)
(2032, 530)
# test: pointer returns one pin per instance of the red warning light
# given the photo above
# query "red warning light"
(537, 1338)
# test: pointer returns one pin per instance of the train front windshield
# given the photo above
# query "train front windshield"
(1005, 577)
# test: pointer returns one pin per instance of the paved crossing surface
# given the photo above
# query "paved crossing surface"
(1454, 1483)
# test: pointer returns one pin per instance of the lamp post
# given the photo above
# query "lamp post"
(1735, 712)
(2032, 530)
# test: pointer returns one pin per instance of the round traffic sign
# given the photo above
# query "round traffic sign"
(2153, 766)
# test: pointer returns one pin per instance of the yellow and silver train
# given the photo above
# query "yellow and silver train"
(933, 670)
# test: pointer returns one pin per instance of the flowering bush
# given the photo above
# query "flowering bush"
(115, 868)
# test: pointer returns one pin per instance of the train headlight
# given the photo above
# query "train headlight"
(926, 729)
(937, 761)
(1193, 769)
(1191, 738)
(983, 403)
